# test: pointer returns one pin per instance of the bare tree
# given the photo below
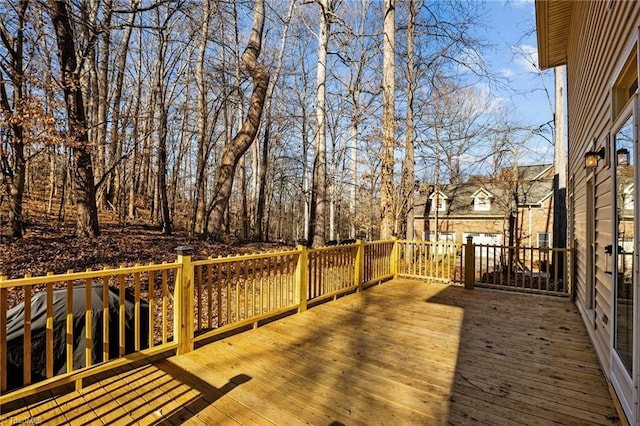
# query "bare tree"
(243, 139)
(85, 195)
(388, 122)
(199, 205)
(264, 159)
(14, 170)
(318, 218)
(407, 186)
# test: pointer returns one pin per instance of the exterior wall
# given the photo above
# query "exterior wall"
(532, 221)
(602, 37)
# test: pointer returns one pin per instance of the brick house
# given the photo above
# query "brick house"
(481, 207)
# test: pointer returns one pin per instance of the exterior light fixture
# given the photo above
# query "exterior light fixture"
(622, 157)
(591, 158)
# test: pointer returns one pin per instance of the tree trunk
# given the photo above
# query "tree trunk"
(388, 121)
(18, 170)
(87, 212)
(318, 217)
(408, 181)
(243, 139)
(200, 202)
(114, 187)
(162, 159)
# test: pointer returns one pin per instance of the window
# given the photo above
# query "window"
(488, 238)
(543, 240)
(438, 202)
(482, 203)
(443, 236)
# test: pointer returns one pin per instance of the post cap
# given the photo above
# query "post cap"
(184, 250)
(469, 238)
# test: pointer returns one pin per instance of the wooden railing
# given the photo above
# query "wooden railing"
(379, 261)
(116, 312)
(525, 269)
(171, 306)
(433, 260)
(232, 292)
(332, 271)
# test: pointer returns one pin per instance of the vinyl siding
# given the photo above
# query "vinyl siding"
(601, 38)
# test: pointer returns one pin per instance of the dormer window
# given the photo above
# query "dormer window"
(438, 202)
(482, 200)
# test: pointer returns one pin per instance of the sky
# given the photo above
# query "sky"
(510, 29)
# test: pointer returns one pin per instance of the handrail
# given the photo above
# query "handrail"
(97, 301)
(542, 270)
(203, 298)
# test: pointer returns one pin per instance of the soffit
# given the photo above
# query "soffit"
(552, 25)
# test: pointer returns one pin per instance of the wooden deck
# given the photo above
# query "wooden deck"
(404, 352)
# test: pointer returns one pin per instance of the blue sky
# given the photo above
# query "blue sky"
(510, 25)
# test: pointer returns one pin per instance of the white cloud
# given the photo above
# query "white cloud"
(522, 3)
(507, 72)
(526, 57)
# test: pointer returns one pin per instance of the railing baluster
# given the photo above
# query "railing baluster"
(151, 302)
(136, 310)
(26, 347)
(3, 336)
(229, 294)
(122, 312)
(219, 293)
(165, 305)
(198, 295)
(49, 332)
(210, 296)
(105, 317)
(88, 319)
(69, 324)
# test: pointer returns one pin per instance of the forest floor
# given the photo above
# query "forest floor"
(50, 245)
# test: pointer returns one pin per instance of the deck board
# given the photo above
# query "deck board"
(404, 352)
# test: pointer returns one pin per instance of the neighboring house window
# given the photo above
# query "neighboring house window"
(439, 202)
(543, 239)
(487, 238)
(443, 236)
(482, 203)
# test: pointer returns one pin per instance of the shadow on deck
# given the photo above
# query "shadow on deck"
(404, 352)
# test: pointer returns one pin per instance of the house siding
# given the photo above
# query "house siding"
(602, 36)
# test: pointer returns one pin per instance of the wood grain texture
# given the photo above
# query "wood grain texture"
(404, 352)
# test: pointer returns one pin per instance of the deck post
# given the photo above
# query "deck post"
(469, 263)
(302, 279)
(395, 257)
(359, 265)
(183, 301)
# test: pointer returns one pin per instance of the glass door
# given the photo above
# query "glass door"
(624, 298)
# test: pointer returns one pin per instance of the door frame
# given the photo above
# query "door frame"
(625, 384)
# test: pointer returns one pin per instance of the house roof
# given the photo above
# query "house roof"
(534, 184)
(553, 19)
(482, 191)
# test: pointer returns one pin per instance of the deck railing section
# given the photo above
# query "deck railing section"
(106, 314)
(434, 260)
(174, 305)
(527, 269)
(379, 261)
(332, 271)
(231, 292)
